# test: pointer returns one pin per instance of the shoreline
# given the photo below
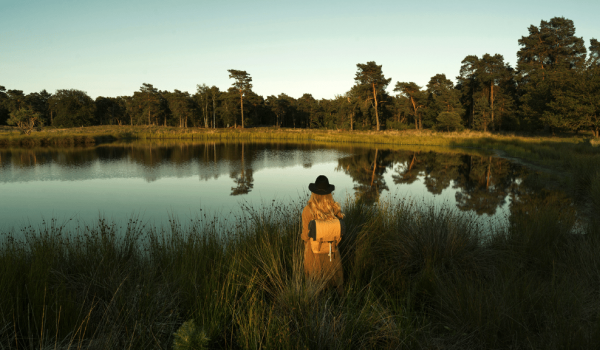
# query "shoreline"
(102, 134)
(575, 158)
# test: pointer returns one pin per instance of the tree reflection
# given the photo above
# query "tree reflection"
(242, 178)
(482, 183)
(408, 168)
(366, 171)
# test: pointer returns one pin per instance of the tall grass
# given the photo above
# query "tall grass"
(106, 133)
(416, 276)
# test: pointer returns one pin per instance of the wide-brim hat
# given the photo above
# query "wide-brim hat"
(321, 185)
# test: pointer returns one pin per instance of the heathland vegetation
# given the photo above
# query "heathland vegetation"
(416, 277)
(555, 87)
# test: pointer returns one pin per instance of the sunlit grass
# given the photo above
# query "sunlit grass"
(416, 276)
(95, 134)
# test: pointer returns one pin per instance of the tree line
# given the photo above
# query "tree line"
(555, 86)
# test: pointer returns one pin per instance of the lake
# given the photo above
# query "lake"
(158, 180)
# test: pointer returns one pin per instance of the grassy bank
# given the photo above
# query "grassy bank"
(99, 134)
(416, 277)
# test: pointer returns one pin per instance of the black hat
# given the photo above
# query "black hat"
(321, 186)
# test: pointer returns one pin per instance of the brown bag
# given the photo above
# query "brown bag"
(325, 234)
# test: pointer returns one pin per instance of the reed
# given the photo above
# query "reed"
(416, 276)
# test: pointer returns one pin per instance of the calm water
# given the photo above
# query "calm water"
(154, 181)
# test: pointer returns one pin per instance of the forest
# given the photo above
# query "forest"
(555, 87)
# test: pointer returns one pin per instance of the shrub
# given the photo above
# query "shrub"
(449, 121)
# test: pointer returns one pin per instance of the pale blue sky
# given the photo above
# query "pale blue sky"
(109, 48)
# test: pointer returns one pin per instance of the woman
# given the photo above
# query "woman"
(321, 206)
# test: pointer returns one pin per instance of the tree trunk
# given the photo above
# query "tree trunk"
(412, 162)
(412, 100)
(206, 114)
(376, 112)
(214, 111)
(492, 103)
(485, 124)
(242, 107)
(374, 167)
(472, 121)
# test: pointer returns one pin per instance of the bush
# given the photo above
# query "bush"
(25, 119)
(395, 125)
(449, 121)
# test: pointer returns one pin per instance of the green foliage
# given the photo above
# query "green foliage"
(482, 114)
(72, 108)
(243, 85)
(371, 83)
(202, 98)
(488, 92)
(181, 107)
(190, 337)
(110, 110)
(449, 121)
(546, 61)
(442, 98)
(396, 125)
(416, 100)
(147, 106)
(25, 119)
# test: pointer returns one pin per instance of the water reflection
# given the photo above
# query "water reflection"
(366, 170)
(483, 182)
(478, 182)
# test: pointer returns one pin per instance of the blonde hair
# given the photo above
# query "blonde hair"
(323, 207)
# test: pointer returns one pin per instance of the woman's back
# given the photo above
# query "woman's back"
(321, 206)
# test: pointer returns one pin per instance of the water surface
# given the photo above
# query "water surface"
(156, 180)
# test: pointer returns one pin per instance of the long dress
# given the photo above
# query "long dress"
(319, 266)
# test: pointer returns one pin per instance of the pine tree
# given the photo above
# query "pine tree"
(243, 84)
(370, 77)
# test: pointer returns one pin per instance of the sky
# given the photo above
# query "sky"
(110, 48)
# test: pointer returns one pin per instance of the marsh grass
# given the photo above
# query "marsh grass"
(102, 134)
(416, 276)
